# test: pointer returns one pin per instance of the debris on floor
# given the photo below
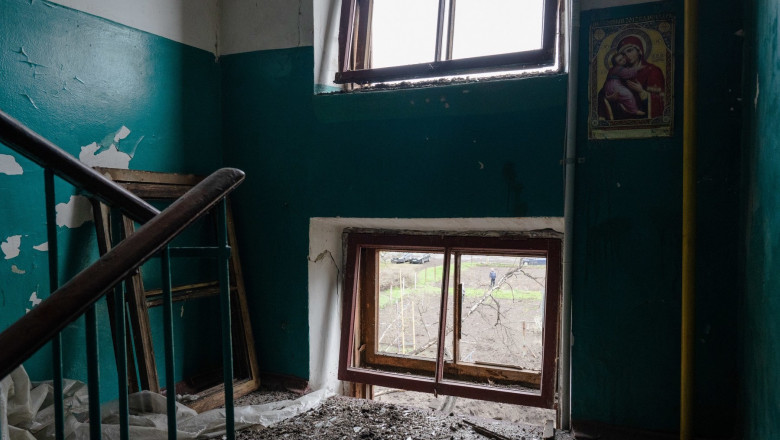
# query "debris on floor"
(342, 418)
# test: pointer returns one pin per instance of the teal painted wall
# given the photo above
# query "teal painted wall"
(762, 222)
(718, 327)
(627, 275)
(476, 150)
(77, 79)
(393, 153)
(626, 280)
(489, 149)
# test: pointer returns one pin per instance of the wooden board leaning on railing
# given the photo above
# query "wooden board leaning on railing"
(168, 186)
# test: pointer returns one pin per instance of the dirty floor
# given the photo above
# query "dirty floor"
(347, 418)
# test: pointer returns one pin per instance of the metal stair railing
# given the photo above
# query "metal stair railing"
(78, 296)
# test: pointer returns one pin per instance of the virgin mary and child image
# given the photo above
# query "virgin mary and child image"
(634, 87)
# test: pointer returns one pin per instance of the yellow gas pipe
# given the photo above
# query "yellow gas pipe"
(689, 218)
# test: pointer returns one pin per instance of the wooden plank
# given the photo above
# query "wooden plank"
(237, 279)
(214, 397)
(155, 191)
(102, 215)
(137, 176)
(139, 323)
(185, 293)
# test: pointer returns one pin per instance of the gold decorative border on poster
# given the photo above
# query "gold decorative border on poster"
(631, 83)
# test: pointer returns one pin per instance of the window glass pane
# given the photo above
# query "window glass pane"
(408, 303)
(403, 32)
(491, 27)
(503, 310)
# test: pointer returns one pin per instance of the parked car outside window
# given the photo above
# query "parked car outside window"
(420, 258)
(403, 258)
(534, 261)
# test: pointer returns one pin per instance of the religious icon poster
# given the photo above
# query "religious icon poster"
(631, 82)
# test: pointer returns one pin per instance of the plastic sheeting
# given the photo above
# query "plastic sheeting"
(27, 413)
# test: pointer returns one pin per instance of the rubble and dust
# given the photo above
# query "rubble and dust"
(342, 418)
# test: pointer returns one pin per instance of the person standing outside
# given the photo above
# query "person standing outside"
(492, 278)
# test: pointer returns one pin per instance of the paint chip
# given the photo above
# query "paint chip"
(74, 213)
(112, 157)
(30, 99)
(34, 299)
(481, 165)
(43, 247)
(15, 269)
(10, 246)
(755, 100)
(8, 165)
(121, 134)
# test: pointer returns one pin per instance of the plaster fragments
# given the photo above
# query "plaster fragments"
(110, 157)
(8, 165)
(34, 299)
(10, 246)
(15, 269)
(74, 213)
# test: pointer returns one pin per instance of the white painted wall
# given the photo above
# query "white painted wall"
(236, 26)
(191, 22)
(247, 26)
(327, 15)
(326, 270)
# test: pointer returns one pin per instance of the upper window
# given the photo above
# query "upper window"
(468, 316)
(390, 40)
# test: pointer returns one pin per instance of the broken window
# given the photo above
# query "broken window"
(390, 40)
(468, 316)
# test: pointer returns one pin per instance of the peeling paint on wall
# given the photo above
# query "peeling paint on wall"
(121, 134)
(8, 165)
(43, 247)
(15, 269)
(10, 246)
(29, 98)
(755, 100)
(74, 213)
(34, 300)
(111, 157)
(106, 153)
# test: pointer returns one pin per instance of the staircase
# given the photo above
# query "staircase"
(77, 297)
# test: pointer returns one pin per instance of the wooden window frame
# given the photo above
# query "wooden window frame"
(358, 362)
(355, 49)
(150, 185)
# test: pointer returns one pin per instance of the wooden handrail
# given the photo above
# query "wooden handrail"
(43, 152)
(32, 331)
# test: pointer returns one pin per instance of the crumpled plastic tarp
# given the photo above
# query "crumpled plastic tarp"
(27, 413)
